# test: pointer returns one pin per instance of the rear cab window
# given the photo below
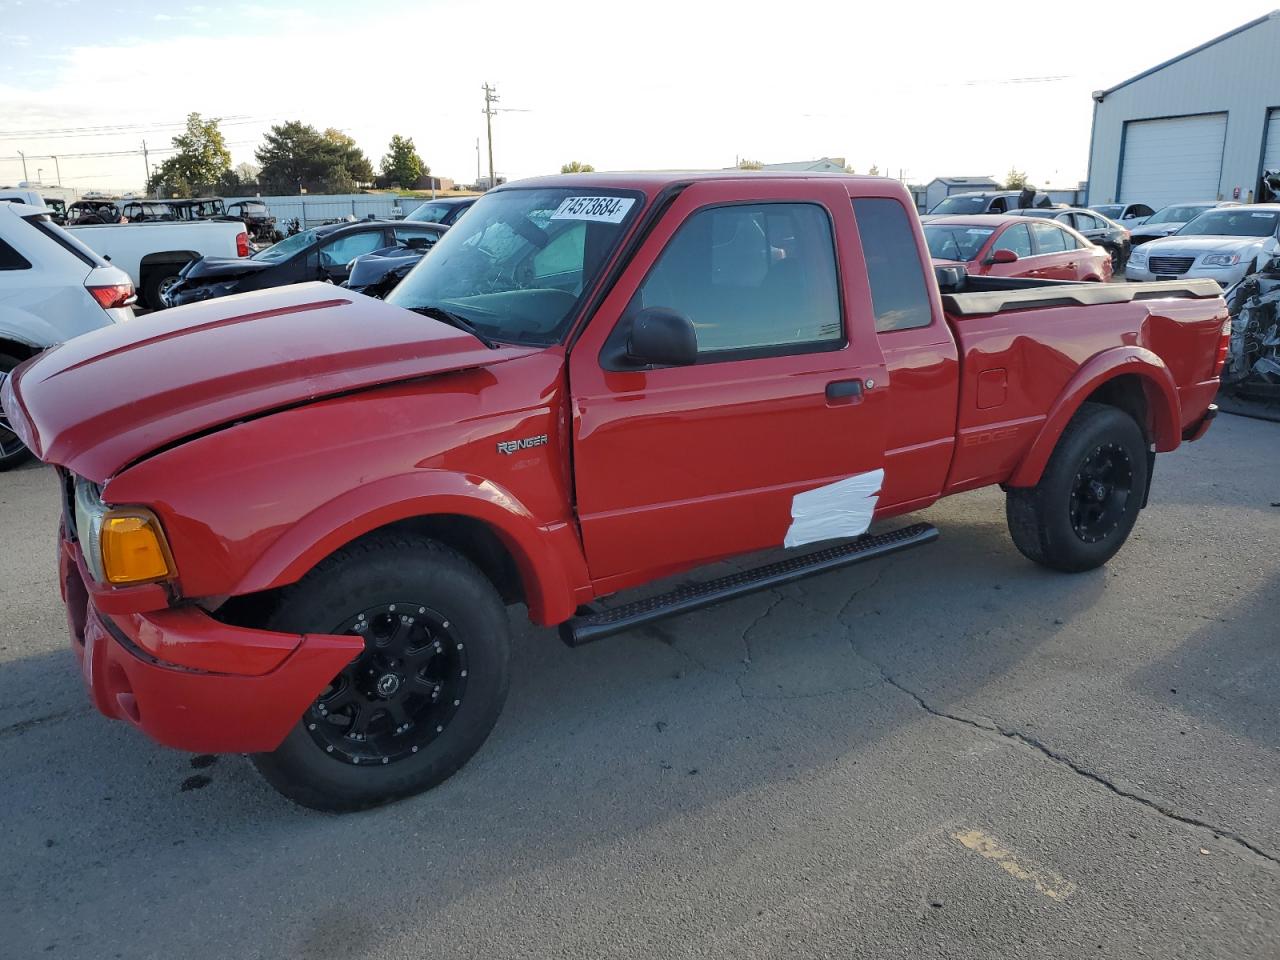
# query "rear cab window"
(899, 293)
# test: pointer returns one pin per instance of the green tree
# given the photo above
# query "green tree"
(574, 166)
(349, 157)
(875, 170)
(1015, 179)
(402, 166)
(294, 156)
(745, 164)
(201, 160)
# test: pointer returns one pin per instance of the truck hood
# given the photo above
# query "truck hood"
(223, 268)
(104, 400)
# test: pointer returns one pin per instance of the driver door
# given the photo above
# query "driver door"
(676, 466)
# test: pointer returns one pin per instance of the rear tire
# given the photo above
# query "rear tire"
(1087, 501)
(12, 450)
(382, 730)
(157, 282)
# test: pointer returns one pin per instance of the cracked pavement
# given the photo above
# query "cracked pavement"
(950, 753)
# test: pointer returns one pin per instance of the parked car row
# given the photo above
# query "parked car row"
(321, 253)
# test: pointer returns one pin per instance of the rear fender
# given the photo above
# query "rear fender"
(548, 556)
(1162, 405)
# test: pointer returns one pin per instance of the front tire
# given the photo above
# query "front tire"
(1087, 501)
(12, 450)
(420, 700)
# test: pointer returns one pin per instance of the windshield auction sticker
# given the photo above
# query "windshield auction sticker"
(600, 209)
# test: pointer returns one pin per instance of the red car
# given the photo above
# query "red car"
(293, 519)
(1010, 246)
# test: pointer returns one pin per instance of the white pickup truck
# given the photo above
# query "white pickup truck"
(153, 253)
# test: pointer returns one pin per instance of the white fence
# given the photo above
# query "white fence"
(313, 210)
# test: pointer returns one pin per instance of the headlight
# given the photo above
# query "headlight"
(1220, 259)
(121, 545)
(1138, 257)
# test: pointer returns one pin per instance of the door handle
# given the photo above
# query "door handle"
(844, 389)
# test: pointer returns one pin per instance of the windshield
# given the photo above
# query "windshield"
(517, 263)
(1110, 210)
(955, 242)
(1234, 222)
(1176, 214)
(287, 247)
(961, 204)
(430, 213)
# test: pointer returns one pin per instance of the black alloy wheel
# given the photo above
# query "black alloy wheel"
(400, 694)
(1101, 492)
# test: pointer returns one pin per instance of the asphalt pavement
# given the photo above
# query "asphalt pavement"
(952, 753)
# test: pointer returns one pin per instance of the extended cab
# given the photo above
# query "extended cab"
(154, 253)
(293, 518)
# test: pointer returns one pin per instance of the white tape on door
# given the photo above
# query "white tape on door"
(840, 509)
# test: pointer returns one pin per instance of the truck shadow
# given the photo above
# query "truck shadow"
(595, 746)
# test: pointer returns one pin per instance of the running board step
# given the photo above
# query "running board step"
(596, 626)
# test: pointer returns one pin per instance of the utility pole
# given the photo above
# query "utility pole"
(146, 163)
(490, 98)
(24, 164)
(57, 168)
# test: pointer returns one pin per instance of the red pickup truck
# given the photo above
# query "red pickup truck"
(293, 519)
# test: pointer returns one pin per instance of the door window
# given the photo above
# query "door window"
(1017, 238)
(1050, 238)
(758, 277)
(1086, 222)
(899, 295)
(345, 249)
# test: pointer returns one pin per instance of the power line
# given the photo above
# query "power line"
(109, 129)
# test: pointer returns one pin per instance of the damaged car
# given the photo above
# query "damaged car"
(321, 253)
(1252, 369)
(377, 274)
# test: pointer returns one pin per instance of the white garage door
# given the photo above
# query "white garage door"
(1167, 161)
(1271, 151)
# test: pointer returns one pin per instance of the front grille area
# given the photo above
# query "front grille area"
(68, 482)
(1164, 265)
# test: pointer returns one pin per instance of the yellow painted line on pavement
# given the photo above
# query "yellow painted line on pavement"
(1045, 881)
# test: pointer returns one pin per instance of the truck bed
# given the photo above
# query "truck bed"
(1025, 344)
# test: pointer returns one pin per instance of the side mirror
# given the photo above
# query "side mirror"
(1004, 256)
(664, 337)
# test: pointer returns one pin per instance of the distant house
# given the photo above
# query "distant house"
(941, 187)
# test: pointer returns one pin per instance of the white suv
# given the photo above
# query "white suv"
(52, 288)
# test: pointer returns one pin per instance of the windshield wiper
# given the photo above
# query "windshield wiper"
(458, 321)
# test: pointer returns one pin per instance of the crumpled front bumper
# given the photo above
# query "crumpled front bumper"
(188, 681)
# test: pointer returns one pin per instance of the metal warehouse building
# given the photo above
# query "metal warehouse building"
(1202, 126)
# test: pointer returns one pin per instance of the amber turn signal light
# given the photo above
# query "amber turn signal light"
(134, 549)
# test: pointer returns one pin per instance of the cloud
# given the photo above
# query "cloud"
(18, 40)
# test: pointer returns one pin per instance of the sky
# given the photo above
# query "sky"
(919, 90)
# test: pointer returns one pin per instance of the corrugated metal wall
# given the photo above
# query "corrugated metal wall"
(1239, 75)
(313, 210)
